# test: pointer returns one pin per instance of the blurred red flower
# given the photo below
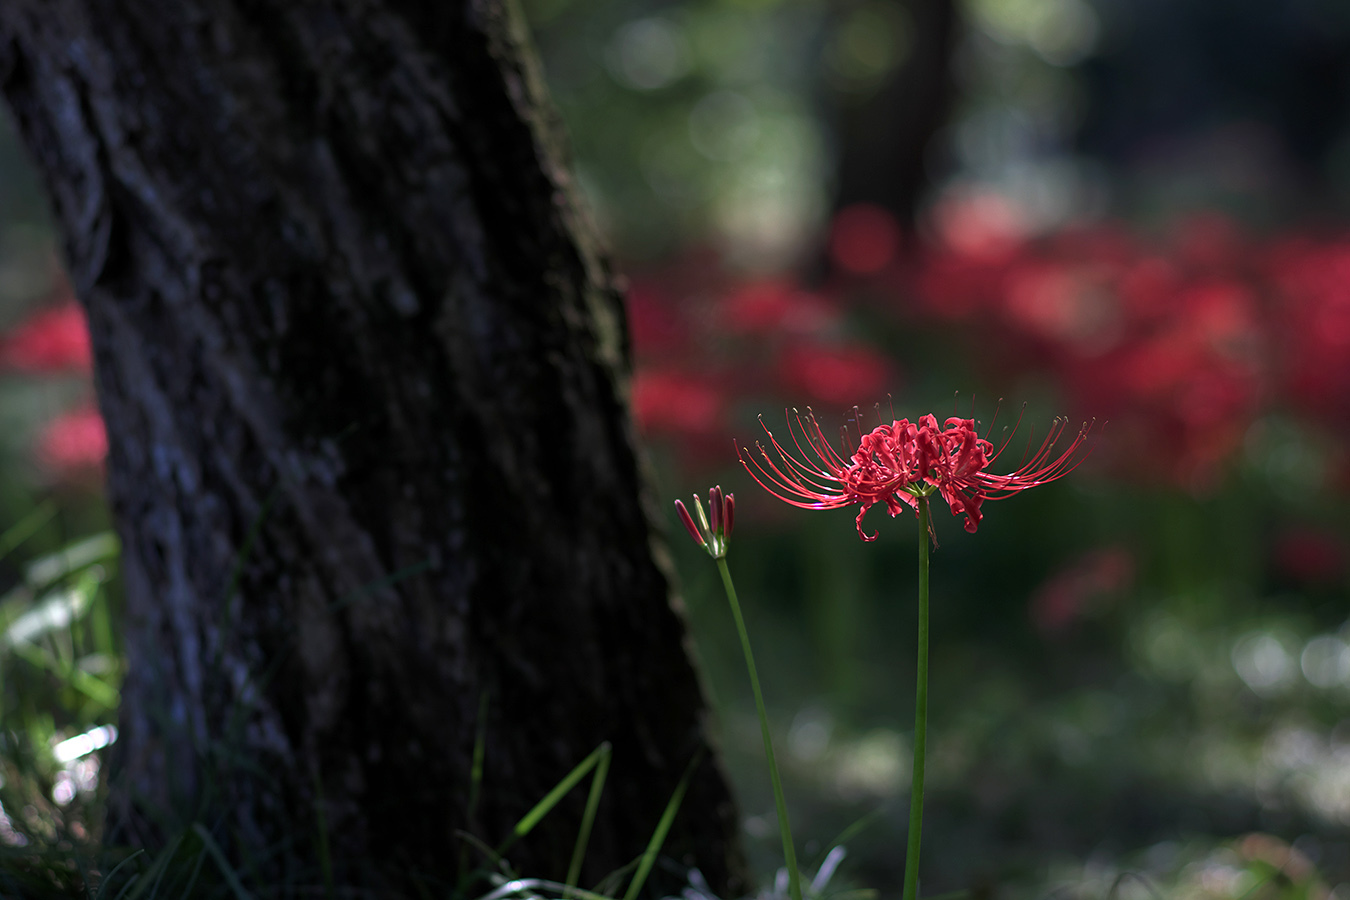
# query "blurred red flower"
(953, 286)
(51, 340)
(677, 403)
(1063, 302)
(834, 374)
(1308, 556)
(978, 223)
(73, 443)
(653, 321)
(1312, 288)
(1211, 242)
(774, 306)
(1069, 593)
(1174, 347)
(1182, 344)
(864, 239)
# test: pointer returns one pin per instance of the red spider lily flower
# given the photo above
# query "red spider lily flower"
(712, 536)
(898, 463)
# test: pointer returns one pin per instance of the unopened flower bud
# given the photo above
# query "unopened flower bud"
(711, 536)
(689, 524)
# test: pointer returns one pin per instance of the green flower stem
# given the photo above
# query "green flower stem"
(789, 854)
(911, 891)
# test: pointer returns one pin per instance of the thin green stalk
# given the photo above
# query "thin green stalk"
(789, 854)
(325, 855)
(911, 891)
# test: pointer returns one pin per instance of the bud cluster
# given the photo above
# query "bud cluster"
(711, 536)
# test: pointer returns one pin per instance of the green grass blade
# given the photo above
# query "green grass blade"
(1148, 885)
(114, 871)
(26, 527)
(159, 867)
(1266, 877)
(250, 539)
(662, 829)
(48, 569)
(57, 610)
(858, 827)
(475, 786)
(231, 877)
(225, 621)
(609, 885)
(494, 858)
(196, 870)
(528, 887)
(545, 806)
(95, 689)
(101, 627)
(379, 584)
(873, 893)
(479, 749)
(588, 817)
(135, 880)
(325, 857)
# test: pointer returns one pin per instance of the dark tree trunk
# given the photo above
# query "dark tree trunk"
(884, 137)
(364, 374)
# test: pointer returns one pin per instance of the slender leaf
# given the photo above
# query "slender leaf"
(95, 689)
(196, 870)
(48, 569)
(588, 817)
(159, 867)
(101, 627)
(231, 877)
(1148, 885)
(479, 748)
(475, 784)
(492, 855)
(379, 584)
(858, 827)
(826, 870)
(26, 527)
(115, 870)
(325, 859)
(543, 807)
(662, 829)
(530, 885)
(56, 610)
(131, 882)
(873, 893)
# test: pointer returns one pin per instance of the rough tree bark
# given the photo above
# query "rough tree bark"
(364, 375)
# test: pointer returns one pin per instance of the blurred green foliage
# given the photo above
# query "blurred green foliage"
(60, 666)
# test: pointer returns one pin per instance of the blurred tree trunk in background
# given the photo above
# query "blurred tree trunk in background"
(884, 132)
(364, 373)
